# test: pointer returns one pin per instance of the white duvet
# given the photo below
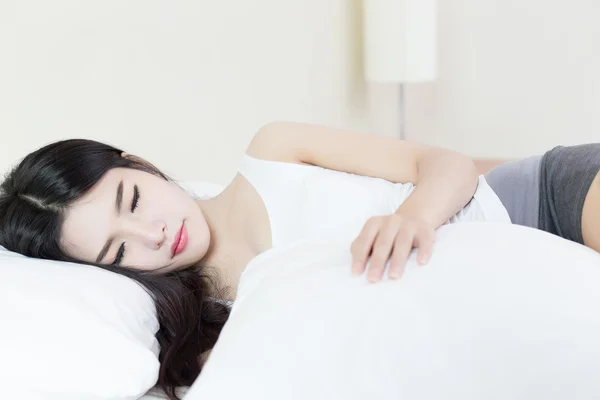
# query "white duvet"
(156, 394)
(500, 312)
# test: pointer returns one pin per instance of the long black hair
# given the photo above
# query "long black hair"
(33, 199)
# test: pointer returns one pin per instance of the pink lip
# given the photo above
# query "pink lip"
(181, 238)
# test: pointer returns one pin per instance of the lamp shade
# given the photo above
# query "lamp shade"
(400, 40)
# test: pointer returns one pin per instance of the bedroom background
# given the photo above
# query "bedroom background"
(186, 84)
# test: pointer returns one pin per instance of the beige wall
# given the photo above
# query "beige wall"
(183, 83)
(515, 77)
(187, 83)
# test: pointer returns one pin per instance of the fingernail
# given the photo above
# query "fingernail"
(394, 275)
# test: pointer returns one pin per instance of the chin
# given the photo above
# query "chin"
(202, 246)
(197, 246)
(200, 252)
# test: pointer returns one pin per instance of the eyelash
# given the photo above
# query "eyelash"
(134, 205)
(136, 198)
(120, 255)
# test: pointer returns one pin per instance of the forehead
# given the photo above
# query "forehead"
(86, 224)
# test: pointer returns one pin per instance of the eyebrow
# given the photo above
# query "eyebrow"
(118, 203)
(119, 199)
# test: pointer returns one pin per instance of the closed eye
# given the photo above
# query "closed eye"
(134, 204)
(120, 255)
(136, 198)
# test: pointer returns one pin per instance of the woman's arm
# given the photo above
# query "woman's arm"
(445, 180)
(485, 165)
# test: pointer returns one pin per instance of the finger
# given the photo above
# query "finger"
(382, 248)
(402, 248)
(425, 244)
(362, 245)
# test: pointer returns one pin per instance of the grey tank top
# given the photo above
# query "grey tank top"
(547, 192)
(566, 175)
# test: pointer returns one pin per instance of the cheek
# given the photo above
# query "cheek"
(164, 192)
(204, 236)
(166, 201)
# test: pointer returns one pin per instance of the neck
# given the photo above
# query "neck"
(225, 243)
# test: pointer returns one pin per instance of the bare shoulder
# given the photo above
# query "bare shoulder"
(275, 141)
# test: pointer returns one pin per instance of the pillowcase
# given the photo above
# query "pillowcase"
(73, 331)
(500, 312)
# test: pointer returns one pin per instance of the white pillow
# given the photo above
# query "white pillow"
(73, 332)
(500, 312)
(76, 332)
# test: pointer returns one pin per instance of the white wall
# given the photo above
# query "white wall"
(516, 77)
(187, 83)
(182, 83)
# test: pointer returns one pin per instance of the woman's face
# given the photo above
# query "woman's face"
(136, 219)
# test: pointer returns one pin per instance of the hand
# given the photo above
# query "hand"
(391, 237)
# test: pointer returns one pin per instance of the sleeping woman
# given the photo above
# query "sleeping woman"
(88, 202)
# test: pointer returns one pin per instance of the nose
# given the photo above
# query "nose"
(152, 234)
